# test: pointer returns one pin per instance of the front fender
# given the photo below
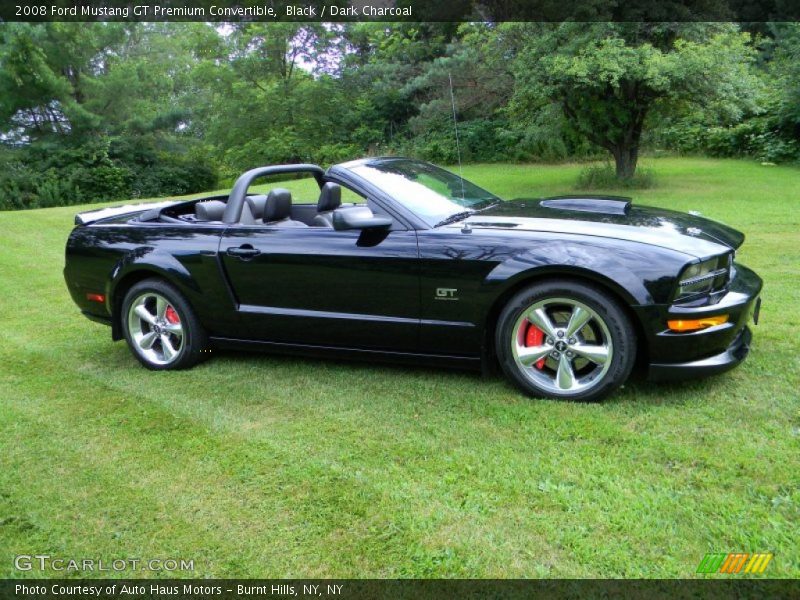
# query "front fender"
(641, 275)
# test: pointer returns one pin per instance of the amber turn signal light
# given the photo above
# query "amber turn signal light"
(696, 324)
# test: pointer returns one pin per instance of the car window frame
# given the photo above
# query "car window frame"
(402, 217)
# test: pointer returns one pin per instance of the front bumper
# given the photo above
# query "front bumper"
(674, 355)
(719, 363)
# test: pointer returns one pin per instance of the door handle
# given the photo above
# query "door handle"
(245, 252)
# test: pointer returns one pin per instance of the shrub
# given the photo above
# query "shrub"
(479, 140)
(172, 175)
(601, 177)
(53, 191)
(335, 153)
(46, 174)
(761, 138)
(17, 185)
(13, 197)
(95, 183)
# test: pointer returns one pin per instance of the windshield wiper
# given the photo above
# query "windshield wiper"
(455, 217)
(486, 203)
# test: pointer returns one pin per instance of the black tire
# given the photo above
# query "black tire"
(608, 330)
(185, 350)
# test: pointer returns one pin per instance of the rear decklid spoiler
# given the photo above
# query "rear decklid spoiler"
(93, 216)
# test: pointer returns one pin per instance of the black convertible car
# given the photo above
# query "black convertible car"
(566, 294)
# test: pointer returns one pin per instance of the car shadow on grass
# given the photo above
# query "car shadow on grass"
(449, 383)
(638, 390)
(262, 360)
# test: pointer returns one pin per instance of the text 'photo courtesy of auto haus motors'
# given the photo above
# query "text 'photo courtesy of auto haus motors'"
(566, 295)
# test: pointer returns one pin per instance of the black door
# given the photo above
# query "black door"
(314, 285)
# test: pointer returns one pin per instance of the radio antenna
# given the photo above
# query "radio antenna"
(455, 126)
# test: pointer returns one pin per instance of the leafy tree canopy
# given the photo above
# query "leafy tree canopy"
(92, 111)
(608, 78)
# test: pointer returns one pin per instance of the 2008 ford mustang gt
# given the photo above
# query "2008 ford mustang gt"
(566, 294)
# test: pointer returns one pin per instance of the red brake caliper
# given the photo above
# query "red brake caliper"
(535, 337)
(172, 315)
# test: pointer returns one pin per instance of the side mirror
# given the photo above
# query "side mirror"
(359, 217)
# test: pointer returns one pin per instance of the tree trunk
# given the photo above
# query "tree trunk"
(626, 150)
(618, 129)
(626, 159)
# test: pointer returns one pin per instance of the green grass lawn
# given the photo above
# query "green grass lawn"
(255, 465)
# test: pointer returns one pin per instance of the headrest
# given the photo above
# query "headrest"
(256, 204)
(278, 206)
(210, 210)
(330, 197)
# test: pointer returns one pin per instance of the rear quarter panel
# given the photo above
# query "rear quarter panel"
(107, 257)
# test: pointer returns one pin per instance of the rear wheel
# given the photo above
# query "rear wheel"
(565, 340)
(160, 327)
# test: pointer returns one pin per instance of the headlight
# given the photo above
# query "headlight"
(704, 277)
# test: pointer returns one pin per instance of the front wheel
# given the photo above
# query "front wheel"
(160, 327)
(565, 340)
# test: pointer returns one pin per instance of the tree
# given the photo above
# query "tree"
(785, 71)
(481, 81)
(93, 111)
(46, 69)
(608, 78)
(382, 63)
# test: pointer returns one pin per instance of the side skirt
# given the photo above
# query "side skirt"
(456, 362)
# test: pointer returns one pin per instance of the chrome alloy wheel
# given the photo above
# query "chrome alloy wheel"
(155, 328)
(572, 350)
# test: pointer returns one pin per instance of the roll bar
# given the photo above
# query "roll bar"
(233, 209)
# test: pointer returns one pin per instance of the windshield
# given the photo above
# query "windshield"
(428, 191)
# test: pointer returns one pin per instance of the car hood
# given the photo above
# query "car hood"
(611, 217)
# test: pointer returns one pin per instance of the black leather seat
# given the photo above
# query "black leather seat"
(278, 209)
(330, 198)
(253, 210)
(210, 210)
